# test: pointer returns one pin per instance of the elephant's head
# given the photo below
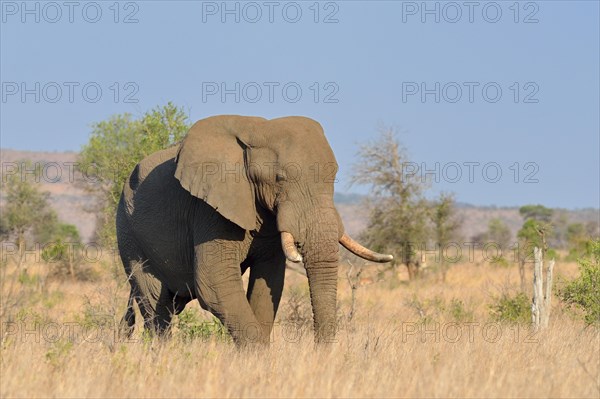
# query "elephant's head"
(243, 165)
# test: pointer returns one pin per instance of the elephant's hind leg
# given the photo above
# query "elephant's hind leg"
(158, 304)
(128, 321)
(154, 300)
(166, 307)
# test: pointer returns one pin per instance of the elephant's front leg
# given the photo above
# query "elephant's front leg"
(265, 288)
(220, 290)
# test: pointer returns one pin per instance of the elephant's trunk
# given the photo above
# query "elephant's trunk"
(320, 251)
(322, 280)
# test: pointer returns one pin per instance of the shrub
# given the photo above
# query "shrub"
(577, 240)
(191, 327)
(115, 146)
(61, 251)
(511, 309)
(430, 310)
(499, 233)
(27, 215)
(500, 261)
(583, 293)
(58, 352)
(298, 309)
(460, 312)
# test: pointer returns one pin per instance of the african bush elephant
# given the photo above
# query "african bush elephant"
(237, 192)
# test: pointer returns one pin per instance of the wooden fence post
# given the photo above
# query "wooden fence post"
(540, 307)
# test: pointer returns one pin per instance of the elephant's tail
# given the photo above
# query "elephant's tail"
(127, 324)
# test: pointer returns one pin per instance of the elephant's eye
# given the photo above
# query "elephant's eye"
(279, 177)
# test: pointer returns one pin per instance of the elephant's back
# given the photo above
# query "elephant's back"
(159, 163)
(150, 174)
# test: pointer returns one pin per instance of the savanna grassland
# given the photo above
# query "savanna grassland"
(426, 338)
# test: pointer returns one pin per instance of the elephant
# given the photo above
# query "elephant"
(236, 193)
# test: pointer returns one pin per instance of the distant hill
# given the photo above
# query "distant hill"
(475, 218)
(73, 204)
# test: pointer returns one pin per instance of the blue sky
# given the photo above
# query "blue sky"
(361, 65)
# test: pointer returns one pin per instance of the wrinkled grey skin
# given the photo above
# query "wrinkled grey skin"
(194, 217)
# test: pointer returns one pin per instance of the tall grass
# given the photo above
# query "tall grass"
(423, 339)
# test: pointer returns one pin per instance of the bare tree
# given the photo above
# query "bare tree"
(398, 210)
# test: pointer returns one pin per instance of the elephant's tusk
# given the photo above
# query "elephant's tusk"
(363, 252)
(289, 247)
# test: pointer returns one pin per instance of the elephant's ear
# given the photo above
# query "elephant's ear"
(211, 166)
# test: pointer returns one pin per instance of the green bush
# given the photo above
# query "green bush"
(435, 310)
(577, 240)
(511, 309)
(498, 232)
(27, 216)
(115, 146)
(191, 327)
(460, 312)
(500, 262)
(62, 250)
(583, 293)
(28, 280)
(58, 352)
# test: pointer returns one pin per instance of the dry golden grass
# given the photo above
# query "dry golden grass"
(401, 342)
